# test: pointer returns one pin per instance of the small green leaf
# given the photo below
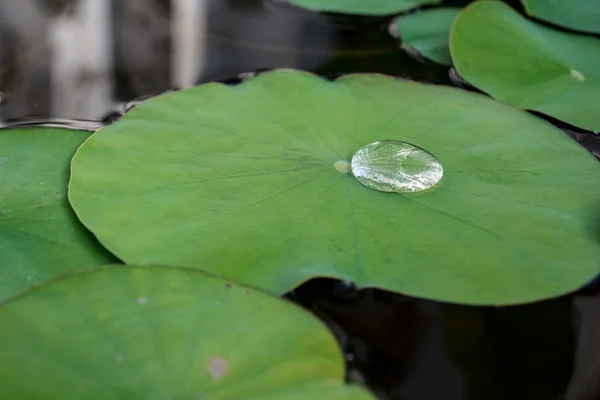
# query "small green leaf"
(40, 236)
(361, 7)
(580, 15)
(129, 333)
(528, 65)
(252, 182)
(428, 32)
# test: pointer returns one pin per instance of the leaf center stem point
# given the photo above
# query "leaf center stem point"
(343, 167)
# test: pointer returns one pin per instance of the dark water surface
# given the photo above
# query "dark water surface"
(81, 63)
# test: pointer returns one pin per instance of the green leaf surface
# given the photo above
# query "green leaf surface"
(528, 65)
(428, 32)
(361, 7)
(40, 236)
(242, 180)
(580, 15)
(132, 333)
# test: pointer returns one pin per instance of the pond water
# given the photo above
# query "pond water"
(82, 63)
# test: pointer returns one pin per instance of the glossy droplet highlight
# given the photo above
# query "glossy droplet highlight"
(394, 166)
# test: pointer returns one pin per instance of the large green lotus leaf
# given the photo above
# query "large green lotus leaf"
(361, 7)
(581, 15)
(40, 236)
(528, 65)
(428, 32)
(240, 180)
(164, 333)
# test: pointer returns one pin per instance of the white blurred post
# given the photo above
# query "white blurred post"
(81, 62)
(188, 32)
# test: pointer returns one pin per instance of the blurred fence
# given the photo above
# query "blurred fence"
(82, 58)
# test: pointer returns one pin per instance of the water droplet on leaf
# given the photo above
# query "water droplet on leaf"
(394, 166)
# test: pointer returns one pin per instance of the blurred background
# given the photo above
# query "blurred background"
(84, 59)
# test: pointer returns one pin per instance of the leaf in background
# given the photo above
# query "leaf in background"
(528, 65)
(125, 333)
(361, 7)
(579, 15)
(40, 236)
(245, 181)
(428, 32)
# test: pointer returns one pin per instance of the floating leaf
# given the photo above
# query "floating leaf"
(361, 7)
(581, 15)
(40, 236)
(528, 65)
(428, 32)
(252, 182)
(164, 333)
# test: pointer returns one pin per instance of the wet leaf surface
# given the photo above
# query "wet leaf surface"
(186, 177)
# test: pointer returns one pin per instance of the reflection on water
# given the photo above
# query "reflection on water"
(83, 59)
(83, 63)
(411, 349)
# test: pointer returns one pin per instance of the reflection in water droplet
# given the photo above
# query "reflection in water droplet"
(394, 166)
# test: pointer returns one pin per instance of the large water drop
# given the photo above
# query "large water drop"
(394, 166)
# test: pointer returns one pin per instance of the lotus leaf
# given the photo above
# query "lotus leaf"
(580, 15)
(245, 181)
(125, 333)
(361, 7)
(40, 236)
(528, 65)
(428, 32)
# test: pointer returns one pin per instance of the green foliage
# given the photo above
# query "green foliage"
(580, 15)
(255, 183)
(40, 236)
(428, 32)
(361, 7)
(125, 333)
(528, 65)
(242, 181)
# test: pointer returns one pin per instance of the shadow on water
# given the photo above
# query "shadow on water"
(403, 348)
(406, 348)
(280, 36)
